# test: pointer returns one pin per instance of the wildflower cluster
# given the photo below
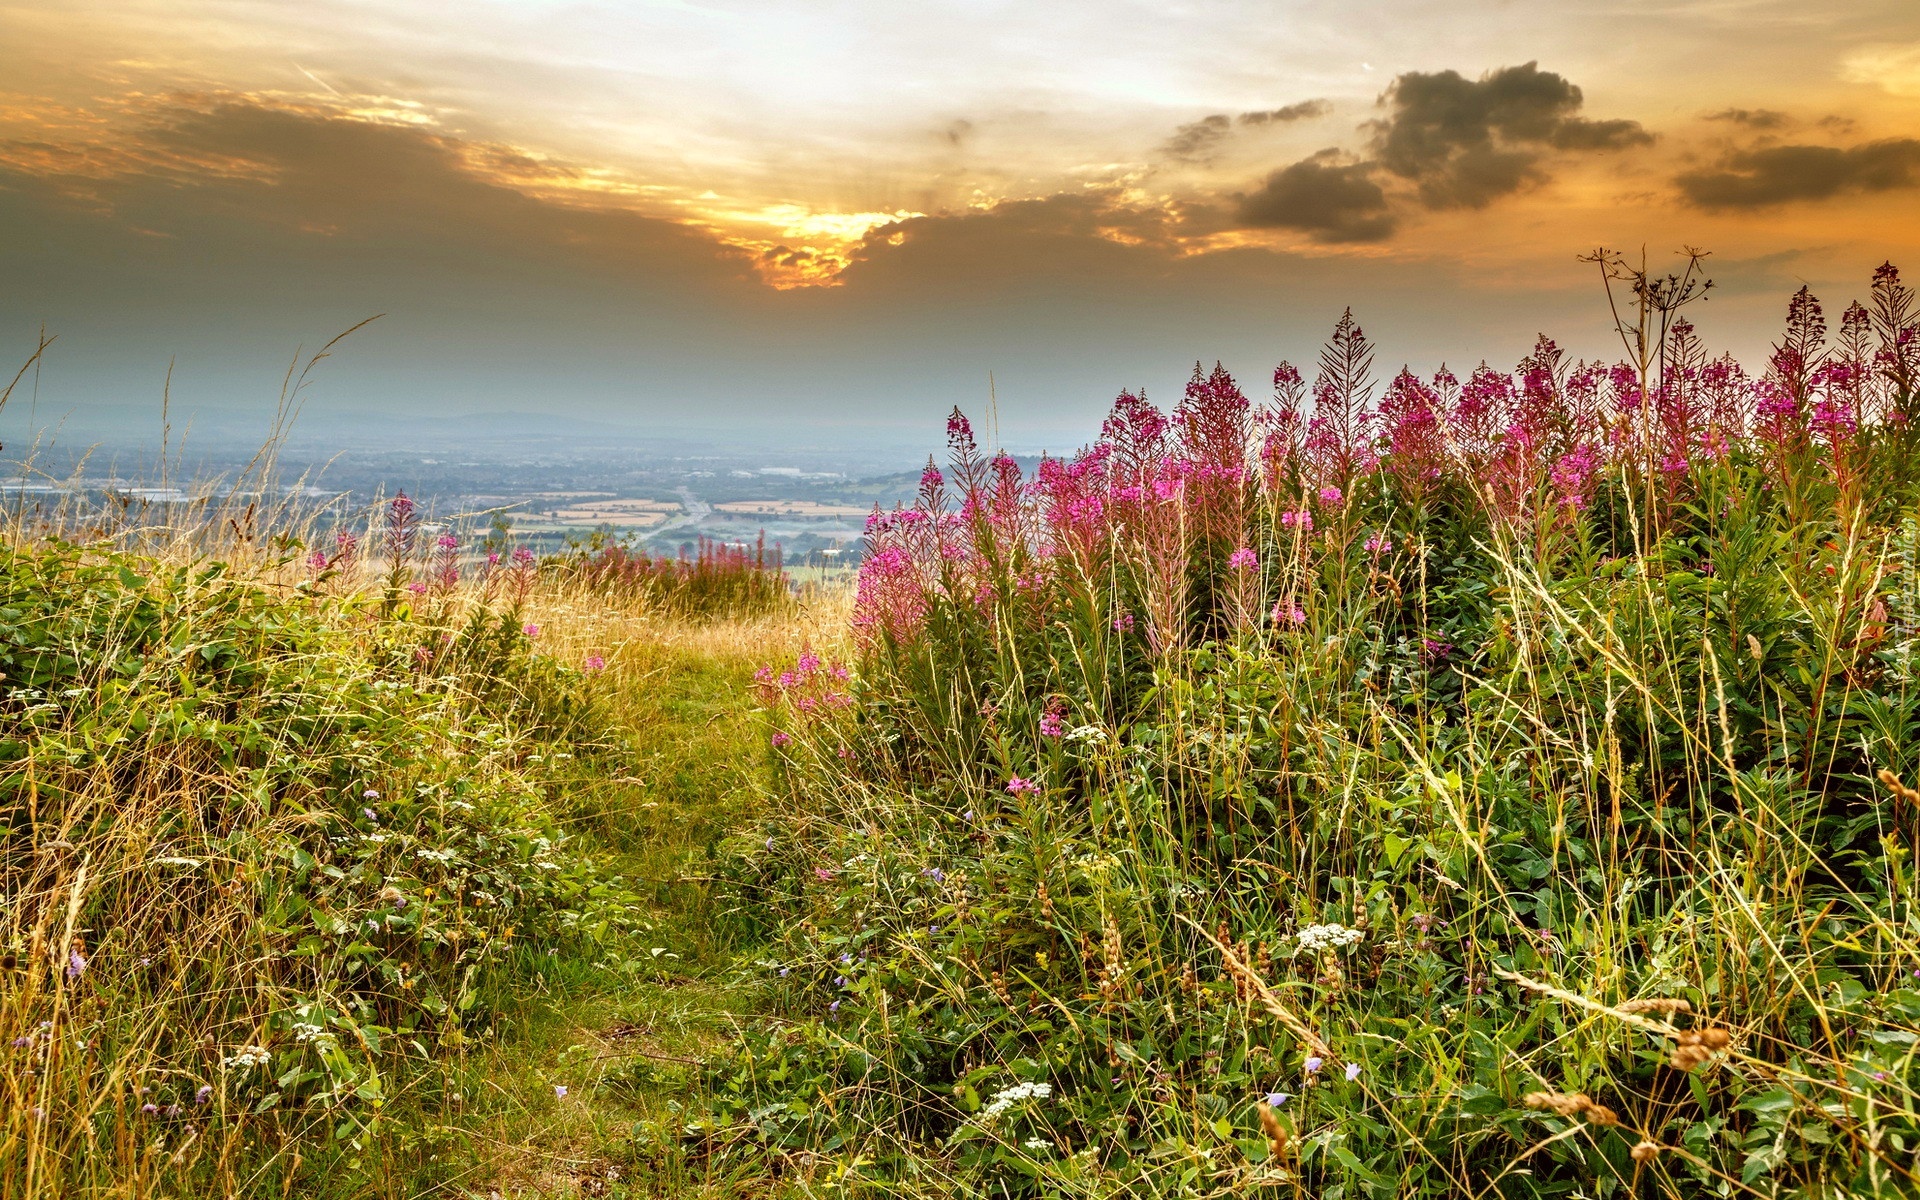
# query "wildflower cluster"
(1561, 713)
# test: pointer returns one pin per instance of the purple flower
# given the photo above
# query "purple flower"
(149, 1108)
(834, 1007)
(1276, 1099)
(203, 1094)
(76, 964)
(1353, 1071)
(560, 1091)
(1314, 1063)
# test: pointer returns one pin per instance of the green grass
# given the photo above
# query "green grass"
(427, 864)
(629, 1044)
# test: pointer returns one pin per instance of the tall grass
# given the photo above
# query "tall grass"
(1466, 787)
(295, 817)
(719, 579)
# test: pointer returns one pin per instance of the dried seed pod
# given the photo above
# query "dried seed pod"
(1277, 1140)
(1644, 1151)
(1659, 1004)
(1573, 1104)
(1694, 1047)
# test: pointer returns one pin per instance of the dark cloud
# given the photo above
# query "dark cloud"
(1752, 118)
(787, 256)
(1196, 141)
(1769, 175)
(1466, 143)
(1303, 111)
(1331, 200)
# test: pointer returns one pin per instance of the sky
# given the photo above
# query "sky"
(817, 223)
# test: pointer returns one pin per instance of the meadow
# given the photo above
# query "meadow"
(1419, 786)
(1411, 786)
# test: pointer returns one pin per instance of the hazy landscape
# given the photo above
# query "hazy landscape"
(743, 599)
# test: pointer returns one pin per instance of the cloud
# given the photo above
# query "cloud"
(1466, 143)
(1769, 175)
(1895, 68)
(1303, 111)
(1196, 141)
(1331, 200)
(1752, 118)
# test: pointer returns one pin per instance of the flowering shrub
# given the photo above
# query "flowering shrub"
(1452, 787)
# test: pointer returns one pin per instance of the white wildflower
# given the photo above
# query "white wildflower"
(1006, 1098)
(1316, 938)
(248, 1057)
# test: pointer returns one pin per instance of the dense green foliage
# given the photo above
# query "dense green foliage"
(273, 862)
(1353, 816)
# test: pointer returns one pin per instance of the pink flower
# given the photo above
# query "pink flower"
(1281, 613)
(417, 588)
(532, 631)
(781, 739)
(1123, 622)
(1017, 786)
(595, 663)
(1243, 559)
(1302, 520)
(1050, 724)
(822, 874)
(1330, 495)
(1379, 544)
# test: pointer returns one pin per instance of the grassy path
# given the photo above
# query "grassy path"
(625, 1038)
